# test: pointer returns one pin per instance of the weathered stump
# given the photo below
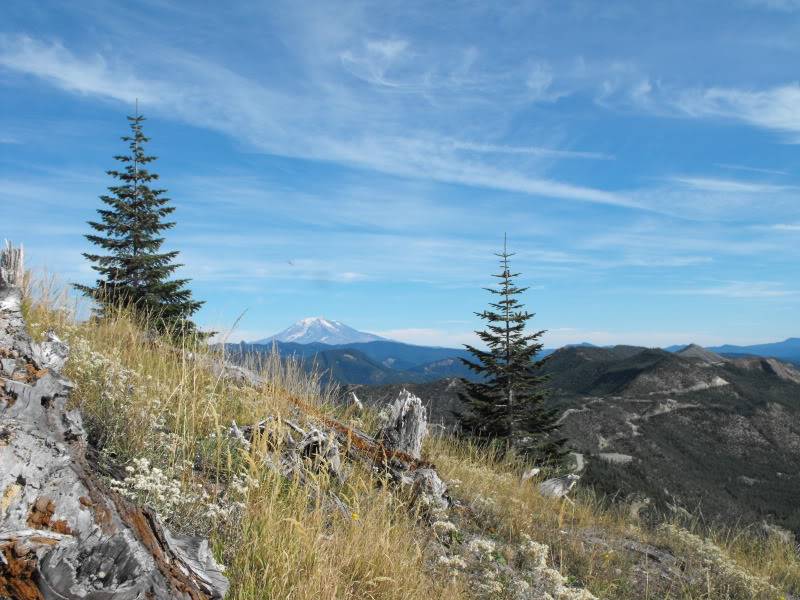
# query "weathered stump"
(406, 425)
(63, 533)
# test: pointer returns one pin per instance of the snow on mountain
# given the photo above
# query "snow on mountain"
(324, 331)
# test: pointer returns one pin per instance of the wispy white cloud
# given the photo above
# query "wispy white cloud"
(741, 289)
(787, 226)
(710, 199)
(776, 108)
(709, 184)
(373, 61)
(529, 150)
(90, 75)
(320, 126)
(752, 169)
(694, 242)
(539, 81)
(226, 270)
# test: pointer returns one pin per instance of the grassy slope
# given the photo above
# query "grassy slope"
(146, 399)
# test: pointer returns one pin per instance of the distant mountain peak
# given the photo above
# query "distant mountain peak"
(320, 330)
(700, 353)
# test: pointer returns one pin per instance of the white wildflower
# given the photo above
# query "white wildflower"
(444, 527)
(454, 563)
(481, 547)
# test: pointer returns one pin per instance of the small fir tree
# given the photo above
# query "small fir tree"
(507, 403)
(133, 271)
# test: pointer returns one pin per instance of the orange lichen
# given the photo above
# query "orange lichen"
(17, 573)
(41, 516)
(32, 374)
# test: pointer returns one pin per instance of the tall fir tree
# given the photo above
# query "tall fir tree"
(133, 271)
(507, 403)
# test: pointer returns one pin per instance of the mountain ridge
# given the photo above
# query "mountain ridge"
(681, 429)
(375, 362)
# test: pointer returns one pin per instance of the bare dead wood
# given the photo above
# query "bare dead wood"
(403, 468)
(63, 533)
(406, 425)
(559, 487)
(11, 265)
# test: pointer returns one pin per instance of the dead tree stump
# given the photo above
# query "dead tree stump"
(63, 533)
(406, 425)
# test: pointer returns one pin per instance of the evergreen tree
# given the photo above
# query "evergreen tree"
(133, 271)
(507, 404)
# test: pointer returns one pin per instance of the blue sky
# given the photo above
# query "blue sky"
(363, 160)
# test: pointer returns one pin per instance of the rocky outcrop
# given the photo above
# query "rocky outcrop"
(770, 366)
(63, 533)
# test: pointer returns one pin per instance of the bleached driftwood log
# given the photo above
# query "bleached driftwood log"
(531, 473)
(63, 534)
(315, 451)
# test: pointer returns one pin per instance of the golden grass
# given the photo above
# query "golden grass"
(143, 397)
(280, 546)
(500, 502)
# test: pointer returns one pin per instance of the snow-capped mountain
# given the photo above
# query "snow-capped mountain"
(321, 330)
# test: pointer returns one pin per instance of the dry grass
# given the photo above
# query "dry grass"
(586, 538)
(144, 398)
(498, 501)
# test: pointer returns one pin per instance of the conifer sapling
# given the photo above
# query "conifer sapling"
(133, 271)
(507, 403)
